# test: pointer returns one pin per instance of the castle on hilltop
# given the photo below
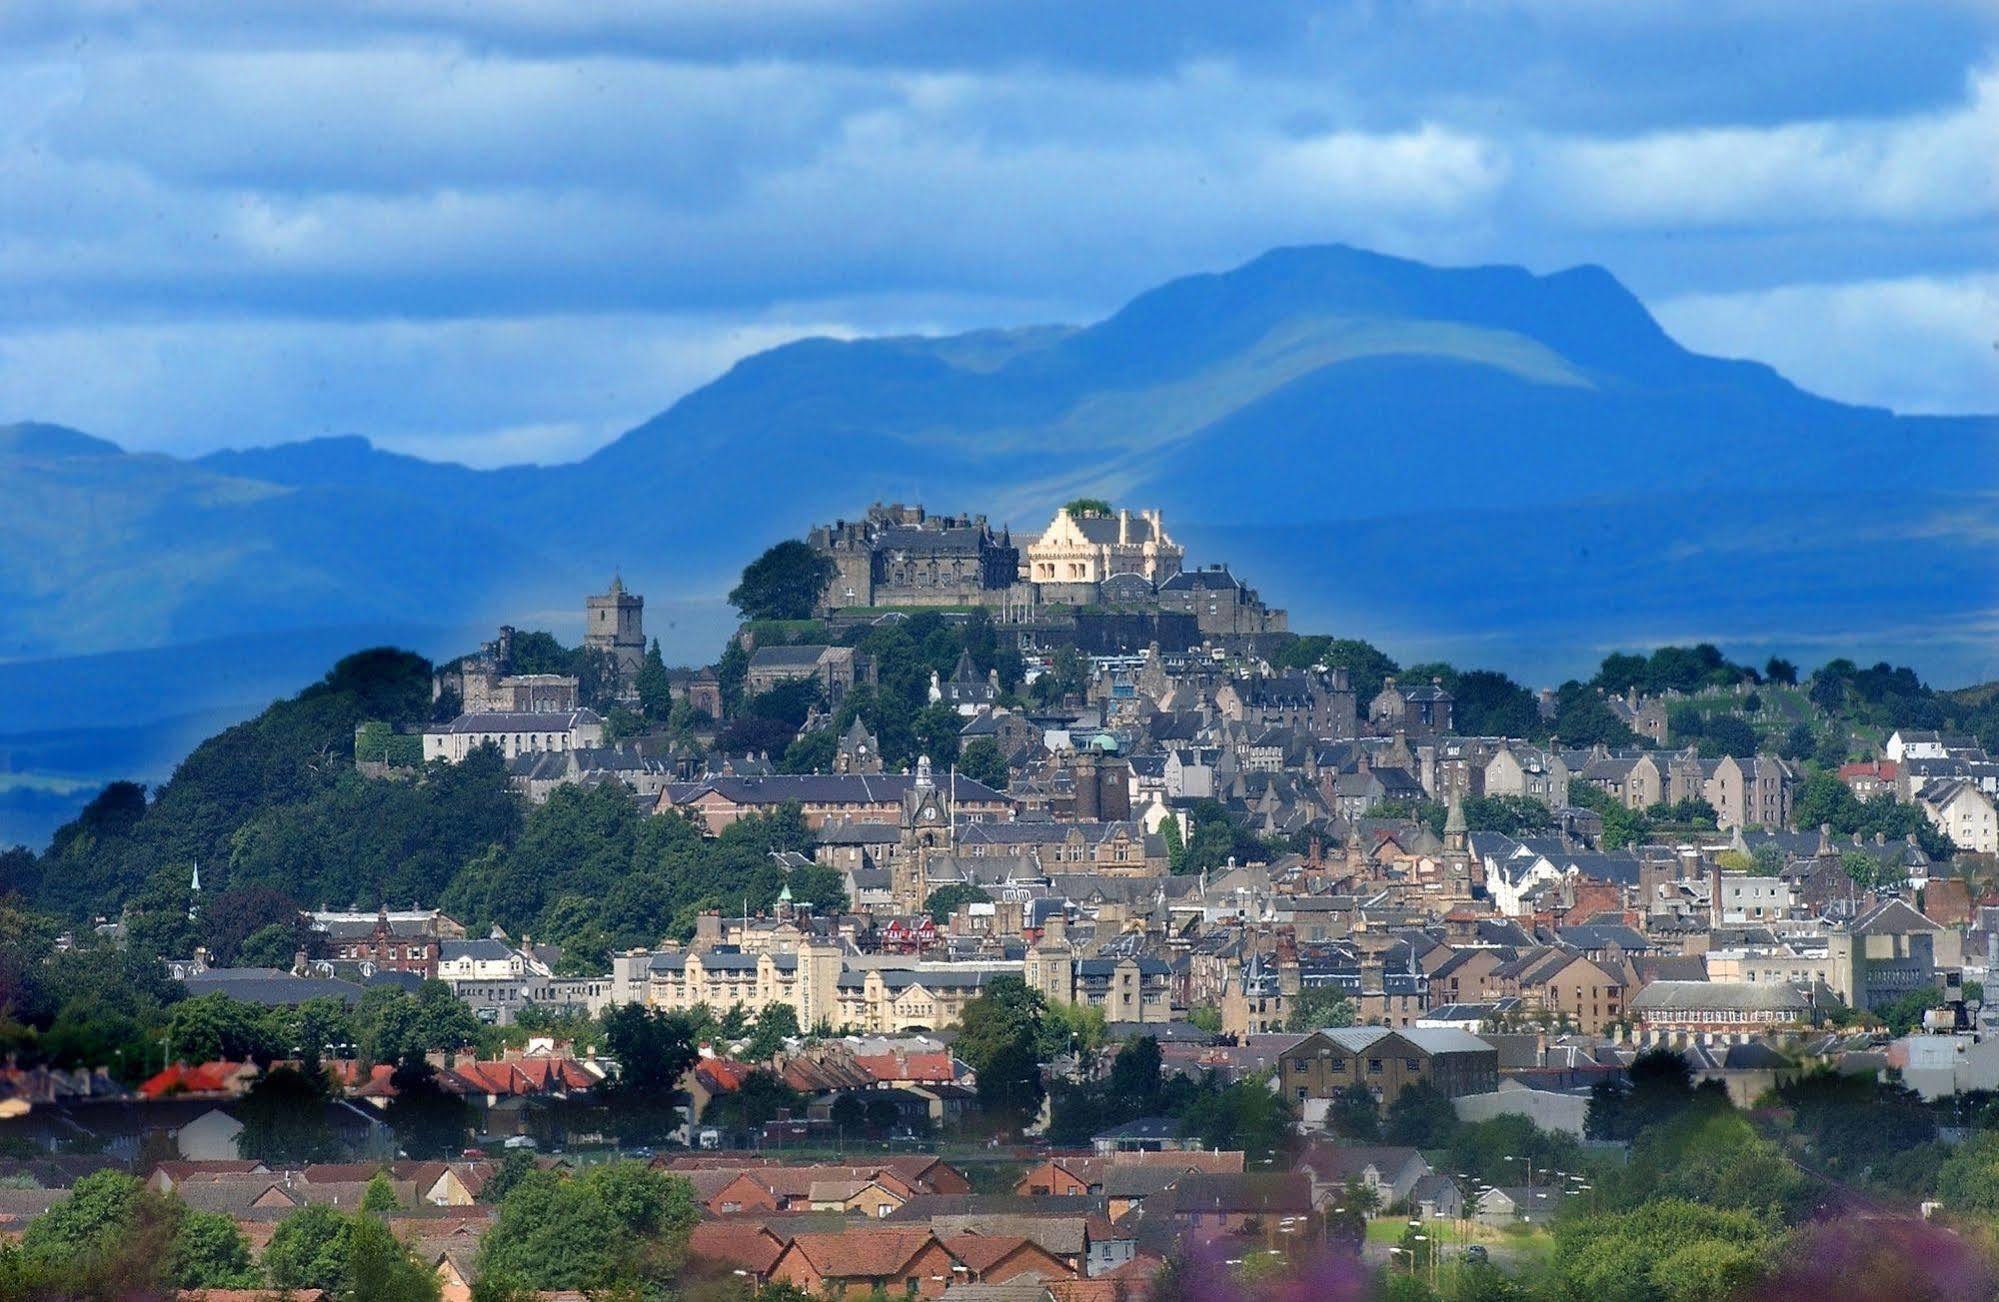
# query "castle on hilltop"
(1122, 562)
(903, 556)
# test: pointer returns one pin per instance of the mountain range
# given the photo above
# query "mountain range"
(1478, 463)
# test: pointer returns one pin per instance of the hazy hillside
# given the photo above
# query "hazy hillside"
(1475, 458)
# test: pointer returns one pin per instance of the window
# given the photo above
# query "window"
(1374, 1066)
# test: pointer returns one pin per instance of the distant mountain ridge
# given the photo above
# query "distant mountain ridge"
(1298, 396)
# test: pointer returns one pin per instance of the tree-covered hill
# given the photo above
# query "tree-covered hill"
(296, 752)
(278, 818)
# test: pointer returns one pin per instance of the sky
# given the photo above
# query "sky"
(507, 231)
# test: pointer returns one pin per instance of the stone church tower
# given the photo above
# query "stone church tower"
(858, 752)
(614, 623)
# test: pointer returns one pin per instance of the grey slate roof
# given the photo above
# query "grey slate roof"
(547, 721)
(829, 788)
(268, 986)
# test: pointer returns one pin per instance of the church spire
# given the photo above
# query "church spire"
(1456, 833)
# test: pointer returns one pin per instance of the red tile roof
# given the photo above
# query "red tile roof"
(921, 1068)
(720, 1075)
(735, 1245)
(862, 1254)
(981, 1252)
(179, 1078)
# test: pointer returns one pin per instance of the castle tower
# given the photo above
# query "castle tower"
(614, 623)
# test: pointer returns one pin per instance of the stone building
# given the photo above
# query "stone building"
(1385, 1061)
(1418, 709)
(854, 797)
(401, 942)
(484, 684)
(614, 626)
(1081, 550)
(837, 669)
(512, 734)
(1127, 988)
(903, 556)
(1220, 603)
(820, 981)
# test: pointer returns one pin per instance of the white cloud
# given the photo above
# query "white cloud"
(1922, 170)
(1857, 342)
(210, 230)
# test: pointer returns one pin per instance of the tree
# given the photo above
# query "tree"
(1968, 1182)
(396, 1026)
(309, 1249)
(379, 1198)
(1489, 704)
(616, 1224)
(944, 901)
(515, 1167)
(1657, 1088)
(1087, 506)
(113, 1224)
(1247, 1116)
(284, 1120)
(1670, 1250)
(271, 946)
(379, 1269)
(1076, 1028)
(1354, 1113)
(1781, 671)
(653, 1049)
(1421, 1116)
(655, 688)
(429, 1123)
(210, 1252)
(997, 1036)
(1799, 742)
(1905, 1013)
(1725, 734)
(761, 1097)
(785, 582)
(1582, 719)
(981, 761)
(1134, 1082)
(230, 917)
(774, 1025)
(218, 1027)
(847, 1114)
(1319, 1008)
